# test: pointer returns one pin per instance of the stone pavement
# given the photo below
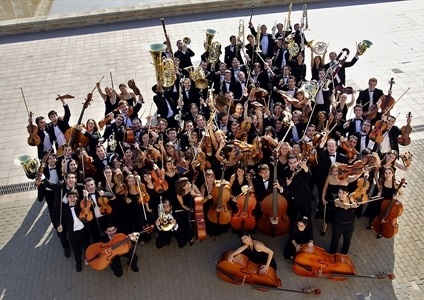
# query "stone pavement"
(71, 61)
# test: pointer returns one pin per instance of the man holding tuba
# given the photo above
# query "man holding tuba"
(184, 54)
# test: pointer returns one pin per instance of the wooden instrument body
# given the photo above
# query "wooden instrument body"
(86, 215)
(199, 217)
(244, 271)
(219, 212)
(160, 184)
(33, 139)
(105, 208)
(361, 192)
(244, 218)
(315, 262)
(100, 255)
(391, 210)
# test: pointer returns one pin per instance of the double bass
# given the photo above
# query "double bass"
(100, 255)
(386, 223)
(219, 212)
(315, 262)
(274, 220)
(244, 219)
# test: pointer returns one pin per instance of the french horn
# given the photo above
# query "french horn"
(363, 46)
(29, 164)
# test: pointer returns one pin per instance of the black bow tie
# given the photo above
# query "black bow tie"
(52, 169)
(332, 155)
(266, 180)
(236, 69)
(228, 82)
(371, 91)
(358, 119)
(243, 82)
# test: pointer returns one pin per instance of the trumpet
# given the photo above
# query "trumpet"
(112, 142)
(305, 16)
(240, 37)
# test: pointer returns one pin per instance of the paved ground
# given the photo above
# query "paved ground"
(33, 266)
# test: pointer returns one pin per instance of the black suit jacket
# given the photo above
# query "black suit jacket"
(259, 185)
(230, 55)
(342, 71)
(270, 52)
(193, 97)
(352, 126)
(40, 147)
(368, 143)
(364, 98)
(62, 123)
(324, 164)
(185, 58)
(161, 101)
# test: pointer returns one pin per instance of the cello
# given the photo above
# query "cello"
(100, 255)
(244, 220)
(74, 136)
(386, 223)
(219, 213)
(315, 262)
(244, 272)
(274, 220)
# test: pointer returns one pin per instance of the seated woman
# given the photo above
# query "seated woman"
(300, 233)
(257, 253)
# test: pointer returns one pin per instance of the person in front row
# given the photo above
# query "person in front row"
(343, 222)
(169, 227)
(256, 252)
(300, 233)
(116, 266)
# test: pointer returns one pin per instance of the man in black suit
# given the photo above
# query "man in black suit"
(369, 97)
(259, 77)
(230, 85)
(296, 132)
(103, 159)
(58, 126)
(190, 95)
(45, 144)
(299, 38)
(281, 56)
(296, 189)
(237, 68)
(78, 234)
(340, 78)
(230, 51)
(326, 157)
(166, 106)
(354, 125)
(116, 128)
(266, 41)
(364, 138)
(184, 54)
(322, 98)
(390, 140)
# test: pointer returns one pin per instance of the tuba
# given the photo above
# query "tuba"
(30, 165)
(363, 46)
(214, 48)
(165, 225)
(164, 68)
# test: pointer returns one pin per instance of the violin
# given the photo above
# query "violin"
(144, 196)
(158, 177)
(257, 149)
(103, 201)
(33, 139)
(219, 212)
(100, 255)
(347, 170)
(315, 262)
(274, 220)
(406, 158)
(203, 162)
(244, 219)
(361, 192)
(404, 139)
(377, 134)
(120, 187)
(86, 214)
(87, 163)
(74, 136)
(309, 151)
(386, 223)
(138, 158)
(344, 90)
(351, 152)
(129, 136)
(41, 168)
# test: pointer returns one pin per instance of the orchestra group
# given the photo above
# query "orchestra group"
(246, 143)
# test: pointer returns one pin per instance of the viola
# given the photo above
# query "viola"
(244, 219)
(344, 90)
(33, 139)
(100, 255)
(361, 192)
(144, 196)
(219, 212)
(377, 134)
(41, 168)
(404, 139)
(315, 262)
(274, 220)
(203, 162)
(74, 136)
(347, 170)
(158, 177)
(386, 223)
(129, 136)
(309, 151)
(242, 270)
(86, 214)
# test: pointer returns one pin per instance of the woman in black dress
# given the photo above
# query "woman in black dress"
(300, 233)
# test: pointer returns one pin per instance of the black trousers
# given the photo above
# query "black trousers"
(116, 263)
(164, 238)
(339, 229)
(80, 240)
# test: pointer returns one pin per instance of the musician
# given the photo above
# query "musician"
(295, 134)
(298, 68)
(281, 57)
(178, 229)
(91, 132)
(68, 155)
(251, 54)
(363, 138)
(237, 68)
(110, 98)
(390, 140)
(280, 32)
(111, 231)
(78, 234)
(230, 85)
(299, 38)
(184, 54)
(230, 51)
(58, 126)
(344, 221)
(103, 159)
(291, 90)
(300, 233)
(296, 189)
(129, 97)
(256, 252)
(46, 143)
(322, 98)
(190, 95)
(264, 184)
(266, 40)
(317, 63)
(127, 113)
(354, 125)
(340, 78)
(115, 127)
(342, 103)
(259, 77)
(369, 96)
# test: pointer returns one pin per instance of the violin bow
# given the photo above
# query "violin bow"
(98, 82)
(141, 197)
(23, 97)
(390, 107)
(309, 121)
(111, 80)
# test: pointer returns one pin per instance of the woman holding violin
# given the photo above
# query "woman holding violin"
(256, 252)
(91, 132)
(152, 198)
(72, 166)
(231, 155)
(283, 157)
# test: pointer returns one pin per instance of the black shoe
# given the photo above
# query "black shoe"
(369, 227)
(67, 252)
(135, 269)
(78, 267)
(191, 242)
(378, 236)
(323, 232)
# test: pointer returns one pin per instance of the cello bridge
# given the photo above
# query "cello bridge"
(274, 221)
